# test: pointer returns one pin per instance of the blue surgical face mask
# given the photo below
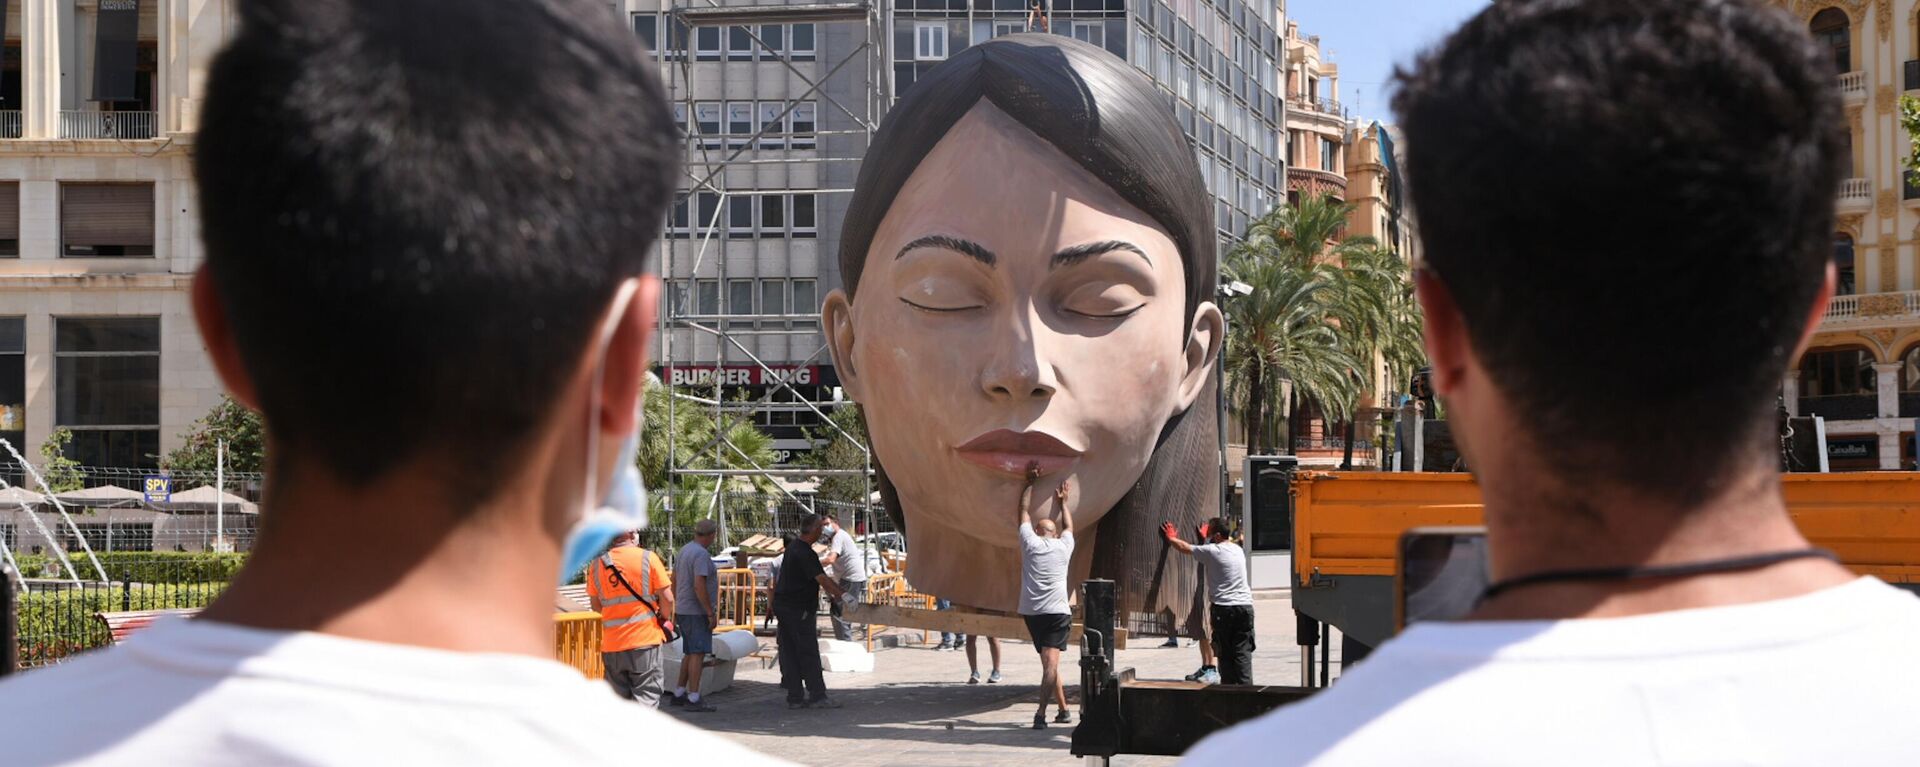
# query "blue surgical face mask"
(622, 505)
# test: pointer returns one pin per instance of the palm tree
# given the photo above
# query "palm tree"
(1323, 308)
(700, 438)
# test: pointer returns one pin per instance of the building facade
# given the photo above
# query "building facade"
(1862, 373)
(1316, 124)
(98, 224)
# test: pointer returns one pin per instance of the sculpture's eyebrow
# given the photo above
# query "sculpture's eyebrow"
(1078, 253)
(965, 247)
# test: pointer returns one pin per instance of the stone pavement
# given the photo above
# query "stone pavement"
(916, 709)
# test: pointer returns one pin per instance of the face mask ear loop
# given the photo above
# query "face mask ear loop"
(603, 342)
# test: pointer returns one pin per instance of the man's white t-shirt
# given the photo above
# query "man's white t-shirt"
(848, 563)
(1828, 678)
(194, 692)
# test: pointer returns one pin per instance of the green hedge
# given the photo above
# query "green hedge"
(140, 566)
(55, 624)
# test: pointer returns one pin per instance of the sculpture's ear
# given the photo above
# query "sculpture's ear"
(836, 319)
(1204, 338)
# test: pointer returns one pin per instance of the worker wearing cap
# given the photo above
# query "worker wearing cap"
(1231, 601)
(631, 590)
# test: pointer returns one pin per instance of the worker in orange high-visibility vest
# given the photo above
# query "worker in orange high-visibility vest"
(631, 590)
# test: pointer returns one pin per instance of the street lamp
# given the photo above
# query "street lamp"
(1228, 289)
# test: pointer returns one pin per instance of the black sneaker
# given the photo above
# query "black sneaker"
(796, 704)
(697, 706)
(676, 701)
(1039, 720)
(823, 702)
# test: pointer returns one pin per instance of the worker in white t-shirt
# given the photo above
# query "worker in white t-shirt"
(1626, 221)
(850, 571)
(426, 235)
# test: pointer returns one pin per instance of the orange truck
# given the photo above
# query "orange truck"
(1346, 527)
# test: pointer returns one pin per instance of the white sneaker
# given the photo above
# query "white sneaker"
(974, 678)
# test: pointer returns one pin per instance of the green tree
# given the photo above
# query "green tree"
(1910, 122)
(241, 428)
(700, 438)
(62, 474)
(1323, 308)
(840, 448)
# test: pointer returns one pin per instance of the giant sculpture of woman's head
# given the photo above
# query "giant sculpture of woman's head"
(1028, 257)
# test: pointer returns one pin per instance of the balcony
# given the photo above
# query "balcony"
(1326, 105)
(11, 124)
(1314, 182)
(1842, 407)
(1853, 85)
(1871, 309)
(87, 124)
(1856, 194)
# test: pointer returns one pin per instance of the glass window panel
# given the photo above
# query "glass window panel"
(806, 300)
(773, 296)
(647, 27)
(740, 217)
(134, 448)
(774, 35)
(706, 43)
(707, 292)
(802, 41)
(739, 296)
(740, 45)
(803, 213)
(13, 334)
(114, 390)
(107, 334)
(773, 215)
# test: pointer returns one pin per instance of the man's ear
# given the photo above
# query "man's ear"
(836, 319)
(1828, 285)
(626, 362)
(1448, 347)
(216, 333)
(1204, 340)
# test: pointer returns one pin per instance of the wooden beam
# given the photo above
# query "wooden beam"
(956, 622)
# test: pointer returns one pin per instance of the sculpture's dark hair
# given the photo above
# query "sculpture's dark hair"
(1105, 116)
(1590, 176)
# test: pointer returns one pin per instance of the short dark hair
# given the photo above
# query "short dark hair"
(415, 218)
(811, 521)
(1591, 175)
(1218, 525)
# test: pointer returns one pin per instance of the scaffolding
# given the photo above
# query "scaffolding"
(852, 88)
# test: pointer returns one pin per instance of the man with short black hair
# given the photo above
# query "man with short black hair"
(1223, 568)
(696, 596)
(426, 232)
(796, 608)
(1591, 175)
(1046, 553)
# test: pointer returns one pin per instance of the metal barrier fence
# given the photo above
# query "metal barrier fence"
(576, 642)
(892, 589)
(58, 618)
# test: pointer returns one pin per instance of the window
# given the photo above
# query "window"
(1843, 263)
(929, 42)
(802, 120)
(680, 118)
(646, 26)
(677, 36)
(1089, 32)
(1909, 369)
(802, 42)
(775, 37)
(106, 220)
(740, 45)
(707, 294)
(740, 217)
(739, 300)
(1837, 373)
(1327, 150)
(706, 43)
(739, 123)
(107, 389)
(707, 115)
(708, 208)
(10, 220)
(806, 300)
(13, 381)
(1830, 30)
(680, 223)
(773, 299)
(680, 297)
(803, 225)
(768, 122)
(773, 216)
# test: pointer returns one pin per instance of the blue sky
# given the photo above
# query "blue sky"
(1368, 37)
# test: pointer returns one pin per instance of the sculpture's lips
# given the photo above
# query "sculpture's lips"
(1012, 452)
